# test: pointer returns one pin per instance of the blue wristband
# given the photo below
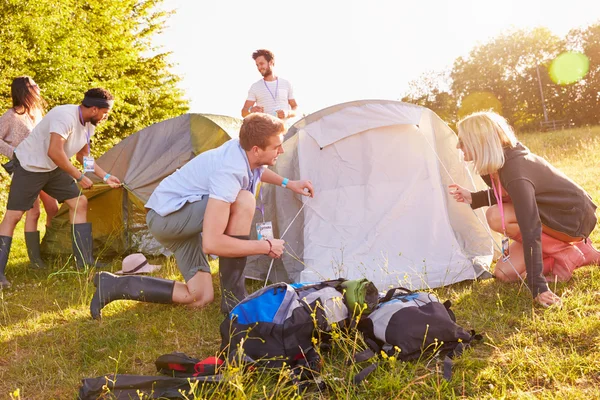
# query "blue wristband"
(284, 182)
(106, 177)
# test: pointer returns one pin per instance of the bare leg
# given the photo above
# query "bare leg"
(241, 214)
(10, 221)
(197, 292)
(50, 205)
(506, 272)
(77, 209)
(510, 220)
(32, 216)
(231, 269)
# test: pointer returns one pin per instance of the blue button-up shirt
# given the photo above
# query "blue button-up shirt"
(218, 173)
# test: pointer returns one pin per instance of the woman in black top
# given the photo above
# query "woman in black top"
(548, 216)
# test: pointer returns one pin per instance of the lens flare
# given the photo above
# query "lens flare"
(569, 68)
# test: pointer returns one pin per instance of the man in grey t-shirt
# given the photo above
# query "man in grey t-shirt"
(207, 207)
(42, 162)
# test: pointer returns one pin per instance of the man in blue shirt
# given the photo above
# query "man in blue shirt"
(207, 207)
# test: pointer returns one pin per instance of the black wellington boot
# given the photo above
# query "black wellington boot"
(83, 246)
(5, 242)
(32, 241)
(111, 287)
(233, 280)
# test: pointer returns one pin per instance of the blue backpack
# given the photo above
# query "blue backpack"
(408, 325)
(276, 324)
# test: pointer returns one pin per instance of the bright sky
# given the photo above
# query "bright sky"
(334, 51)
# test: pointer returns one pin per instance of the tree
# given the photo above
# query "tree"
(431, 90)
(580, 100)
(71, 46)
(505, 69)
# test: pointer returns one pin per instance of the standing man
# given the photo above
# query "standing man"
(207, 207)
(42, 162)
(271, 95)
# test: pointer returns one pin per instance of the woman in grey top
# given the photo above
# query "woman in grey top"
(548, 216)
(15, 125)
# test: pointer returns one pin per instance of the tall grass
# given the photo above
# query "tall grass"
(48, 342)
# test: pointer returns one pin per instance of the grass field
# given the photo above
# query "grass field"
(48, 342)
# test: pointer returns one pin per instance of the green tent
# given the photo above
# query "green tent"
(141, 161)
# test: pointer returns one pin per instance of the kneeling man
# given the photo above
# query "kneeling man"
(207, 207)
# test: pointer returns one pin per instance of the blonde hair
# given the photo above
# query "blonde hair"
(485, 135)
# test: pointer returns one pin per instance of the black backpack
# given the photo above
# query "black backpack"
(408, 325)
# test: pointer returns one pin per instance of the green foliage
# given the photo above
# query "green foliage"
(502, 75)
(431, 90)
(505, 68)
(70, 46)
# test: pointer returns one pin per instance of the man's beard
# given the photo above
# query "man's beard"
(267, 72)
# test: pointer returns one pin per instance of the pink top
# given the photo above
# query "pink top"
(14, 128)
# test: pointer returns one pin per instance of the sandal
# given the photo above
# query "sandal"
(548, 299)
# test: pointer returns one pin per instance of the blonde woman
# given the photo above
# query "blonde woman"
(15, 125)
(548, 216)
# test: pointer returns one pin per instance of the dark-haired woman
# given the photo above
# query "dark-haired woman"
(15, 125)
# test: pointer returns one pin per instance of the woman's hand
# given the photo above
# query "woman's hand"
(460, 194)
(548, 299)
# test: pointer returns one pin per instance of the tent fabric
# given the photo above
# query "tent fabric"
(141, 161)
(382, 210)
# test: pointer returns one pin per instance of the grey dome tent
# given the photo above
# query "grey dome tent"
(382, 208)
(140, 161)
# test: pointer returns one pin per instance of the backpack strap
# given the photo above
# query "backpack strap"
(390, 293)
(364, 355)
(448, 363)
(358, 378)
(208, 366)
(176, 364)
(457, 352)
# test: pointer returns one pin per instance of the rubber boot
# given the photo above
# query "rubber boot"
(111, 287)
(590, 254)
(566, 256)
(83, 246)
(5, 242)
(233, 280)
(32, 241)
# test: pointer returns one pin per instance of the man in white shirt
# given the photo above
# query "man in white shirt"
(42, 162)
(271, 95)
(207, 207)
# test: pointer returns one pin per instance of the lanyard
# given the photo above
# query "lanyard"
(250, 172)
(88, 128)
(276, 89)
(498, 194)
